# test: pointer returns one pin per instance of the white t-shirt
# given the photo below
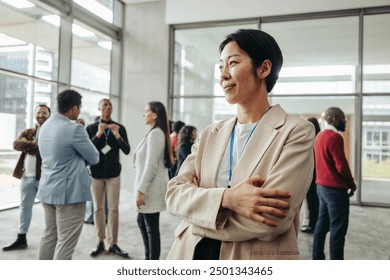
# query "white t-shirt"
(30, 162)
(241, 134)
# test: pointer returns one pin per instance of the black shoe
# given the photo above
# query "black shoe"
(116, 250)
(89, 222)
(20, 243)
(99, 248)
(307, 229)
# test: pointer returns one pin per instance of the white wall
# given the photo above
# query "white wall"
(189, 11)
(145, 71)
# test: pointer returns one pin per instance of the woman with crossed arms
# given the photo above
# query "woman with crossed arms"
(240, 190)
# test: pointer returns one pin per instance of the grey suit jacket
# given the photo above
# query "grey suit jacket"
(66, 150)
(280, 151)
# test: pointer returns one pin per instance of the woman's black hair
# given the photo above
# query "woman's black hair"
(260, 46)
(185, 136)
(314, 121)
(162, 122)
(185, 133)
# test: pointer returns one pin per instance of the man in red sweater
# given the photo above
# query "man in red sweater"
(335, 185)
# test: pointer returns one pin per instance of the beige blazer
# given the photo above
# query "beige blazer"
(281, 151)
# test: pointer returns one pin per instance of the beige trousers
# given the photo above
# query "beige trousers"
(99, 188)
(63, 225)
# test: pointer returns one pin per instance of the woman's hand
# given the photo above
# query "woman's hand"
(140, 199)
(195, 181)
(250, 200)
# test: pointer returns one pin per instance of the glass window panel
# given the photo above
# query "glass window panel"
(91, 59)
(29, 45)
(195, 57)
(369, 138)
(90, 105)
(320, 55)
(33, 52)
(101, 8)
(376, 106)
(375, 150)
(376, 55)
(385, 138)
(315, 107)
(9, 185)
(19, 97)
(201, 112)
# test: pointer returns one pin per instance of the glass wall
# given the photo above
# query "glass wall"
(376, 149)
(375, 159)
(376, 55)
(101, 8)
(196, 92)
(315, 106)
(313, 63)
(327, 62)
(91, 58)
(30, 56)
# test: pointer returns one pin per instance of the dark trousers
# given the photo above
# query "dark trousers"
(333, 216)
(313, 205)
(207, 249)
(150, 231)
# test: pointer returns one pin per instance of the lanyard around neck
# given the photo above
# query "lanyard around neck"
(231, 149)
(106, 132)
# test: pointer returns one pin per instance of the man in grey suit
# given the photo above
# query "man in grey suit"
(65, 180)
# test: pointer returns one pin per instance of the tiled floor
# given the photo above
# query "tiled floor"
(368, 234)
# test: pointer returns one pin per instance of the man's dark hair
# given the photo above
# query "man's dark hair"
(259, 46)
(67, 99)
(43, 105)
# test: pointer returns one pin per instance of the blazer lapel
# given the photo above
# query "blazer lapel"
(216, 145)
(261, 139)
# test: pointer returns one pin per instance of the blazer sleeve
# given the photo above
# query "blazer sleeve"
(23, 144)
(155, 145)
(83, 145)
(292, 171)
(196, 205)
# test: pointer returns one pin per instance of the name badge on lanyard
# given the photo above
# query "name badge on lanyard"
(107, 147)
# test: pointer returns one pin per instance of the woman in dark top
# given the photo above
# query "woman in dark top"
(311, 197)
(187, 136)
